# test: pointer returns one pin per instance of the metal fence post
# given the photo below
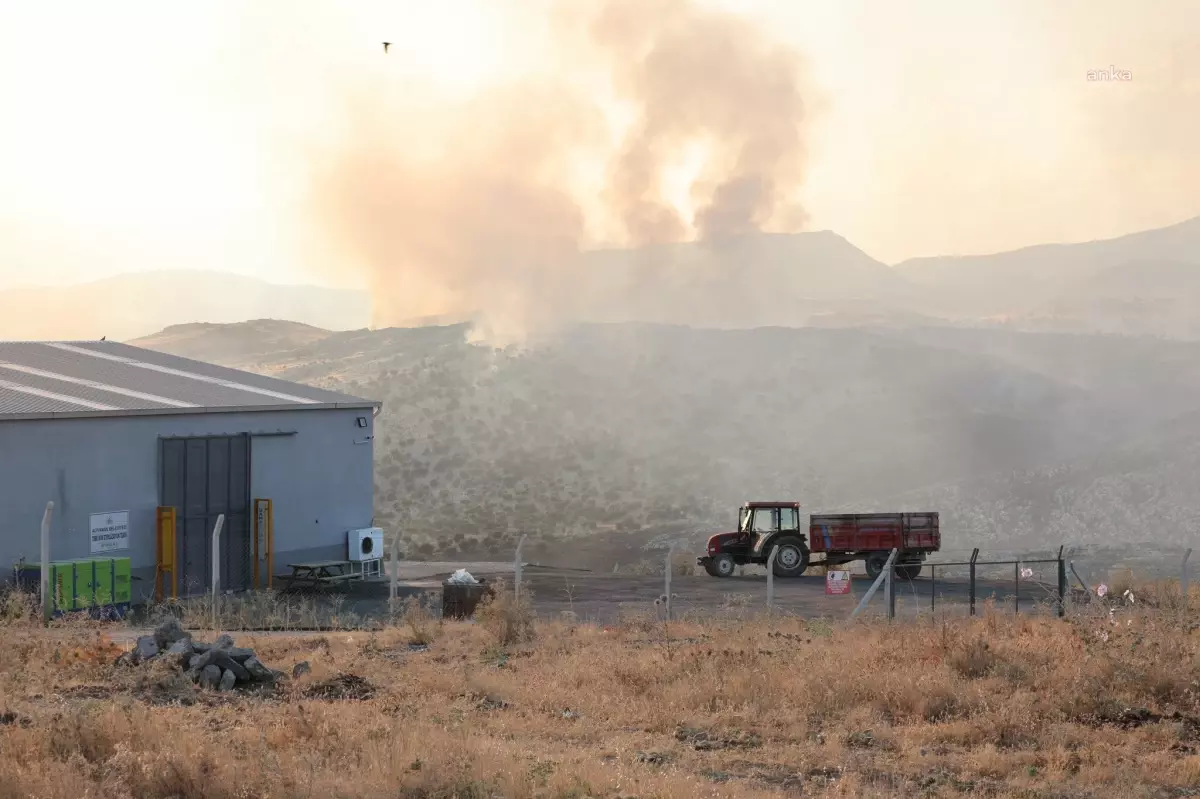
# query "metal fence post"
(47, 601)
(1086, 589)
(974, 557)
(1062, 584)
(1183, 577)
(932, 588)
(394, 575)
(517, 570)
(1017, 587)
(216, 565)
(889, 588)
(771, 578)
(874, 586)
(667, 572)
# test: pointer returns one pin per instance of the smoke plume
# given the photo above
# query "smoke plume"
(702, 77)
(485, 210)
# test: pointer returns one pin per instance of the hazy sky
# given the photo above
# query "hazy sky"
(149, 135)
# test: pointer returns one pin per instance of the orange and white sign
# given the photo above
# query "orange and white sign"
(837, 583)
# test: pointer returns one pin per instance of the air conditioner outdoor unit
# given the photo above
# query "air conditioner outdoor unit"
(365, 544)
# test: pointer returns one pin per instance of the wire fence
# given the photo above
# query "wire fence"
(1022, 569)
(235, 559)
(966, 584)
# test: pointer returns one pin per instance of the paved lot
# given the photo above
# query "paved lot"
(604, 597)
(422, 570)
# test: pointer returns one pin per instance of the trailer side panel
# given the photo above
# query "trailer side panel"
(868, 532)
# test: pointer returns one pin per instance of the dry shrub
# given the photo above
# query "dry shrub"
(508, 618)
(646, 567)
(93, 733)
(1164, 594)
(259, 610)
(637, 621)
(422, 625)
(944, 703)
(973, 660)
(17, 607)
(683, 564)
(1120, 581)
(99, 650)
(179, 775)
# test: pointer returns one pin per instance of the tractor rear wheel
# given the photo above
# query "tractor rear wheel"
(791, 557)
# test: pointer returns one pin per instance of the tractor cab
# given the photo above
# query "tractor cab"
(758, 522)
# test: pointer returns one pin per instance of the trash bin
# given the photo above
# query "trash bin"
(459, 600)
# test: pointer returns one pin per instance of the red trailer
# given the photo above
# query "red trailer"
(870, 537)
(838, 538)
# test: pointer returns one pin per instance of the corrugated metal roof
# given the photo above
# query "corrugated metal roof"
(41, 379)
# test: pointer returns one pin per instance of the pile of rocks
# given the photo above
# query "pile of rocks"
(219, 665)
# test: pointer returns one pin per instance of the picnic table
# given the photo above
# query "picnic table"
(320, 575)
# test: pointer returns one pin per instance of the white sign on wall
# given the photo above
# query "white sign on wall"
(109, 531)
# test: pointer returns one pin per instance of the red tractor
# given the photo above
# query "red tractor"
(838, 538)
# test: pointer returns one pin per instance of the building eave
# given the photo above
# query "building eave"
(108, 414)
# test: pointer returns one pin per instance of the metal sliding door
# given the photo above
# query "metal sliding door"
(202, 478)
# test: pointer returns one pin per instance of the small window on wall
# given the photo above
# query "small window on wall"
(789, 519)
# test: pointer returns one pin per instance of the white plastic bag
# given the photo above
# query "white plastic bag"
(462, 577)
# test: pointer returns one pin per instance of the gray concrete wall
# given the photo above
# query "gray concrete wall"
(320, 480)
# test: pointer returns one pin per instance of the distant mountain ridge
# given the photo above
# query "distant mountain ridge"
(1141, 284)
(239, 345)
(139, 303)
(1020, 281)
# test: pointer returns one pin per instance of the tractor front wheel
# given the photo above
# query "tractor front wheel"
(721, 565)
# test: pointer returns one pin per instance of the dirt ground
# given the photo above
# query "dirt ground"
(1101, 703)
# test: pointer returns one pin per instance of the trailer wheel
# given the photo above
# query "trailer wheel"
(908, 571)
(721, 565)
(875, 563)
(791, 558)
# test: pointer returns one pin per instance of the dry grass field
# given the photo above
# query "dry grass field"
(1103, 703)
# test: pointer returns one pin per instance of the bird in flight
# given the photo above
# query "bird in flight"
(386, 45)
